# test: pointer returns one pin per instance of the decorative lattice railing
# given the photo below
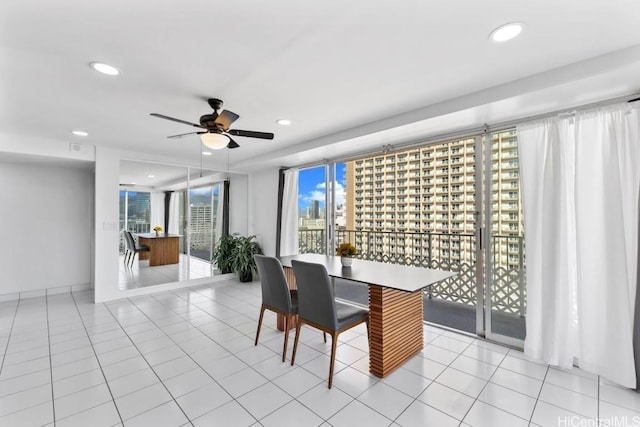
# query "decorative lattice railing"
(451, 252)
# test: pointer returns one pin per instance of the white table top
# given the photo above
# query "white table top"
(402, 277)
(153, 235)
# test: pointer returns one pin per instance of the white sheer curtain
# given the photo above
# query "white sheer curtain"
(174, 213)
(580, 185)
(289, 222)
(157, 209)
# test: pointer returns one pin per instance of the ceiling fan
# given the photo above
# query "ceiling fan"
(216, 133)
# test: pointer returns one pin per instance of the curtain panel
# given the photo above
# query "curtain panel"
(289, 220)
(174, 214)
(580, 184)
(157, 209)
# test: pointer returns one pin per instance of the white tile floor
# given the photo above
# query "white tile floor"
(187, 357)
(139, 274)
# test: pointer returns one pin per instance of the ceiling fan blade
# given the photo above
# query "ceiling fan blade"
(185, 134)
(225, 118)
(232, 144)
(251, 134)
(173, 119)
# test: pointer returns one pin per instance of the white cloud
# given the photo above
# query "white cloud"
(319, 193)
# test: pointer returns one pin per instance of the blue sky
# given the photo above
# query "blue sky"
(311, 185)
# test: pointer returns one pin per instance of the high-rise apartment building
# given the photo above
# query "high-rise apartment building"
(314, 209)
(421, 202)
(201, 229)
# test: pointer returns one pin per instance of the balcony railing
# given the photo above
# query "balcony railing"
(445, 251)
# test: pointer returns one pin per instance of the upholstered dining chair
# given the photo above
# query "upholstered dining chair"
(276, 295)
(317, 307)
(132, 247)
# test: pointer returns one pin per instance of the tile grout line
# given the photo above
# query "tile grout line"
(535, 405)
(249, 366)
(97, 360)
(6, 348)
(146, 361)
(214, 341)
(434, 380)
(53, 399)
(598, 397)
(483, 387)
(494, 406)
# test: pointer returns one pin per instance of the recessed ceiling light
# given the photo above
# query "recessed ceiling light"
(207, 153)
(107, 69)
(506, 32)
(151, 176)
(283, 122)
(79, 133)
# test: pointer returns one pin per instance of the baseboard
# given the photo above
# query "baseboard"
(13, 296)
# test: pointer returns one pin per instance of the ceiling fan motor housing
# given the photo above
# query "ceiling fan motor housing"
(209, 121)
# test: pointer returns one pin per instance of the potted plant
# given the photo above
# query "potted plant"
(346, 251)
(224, 253)
(243, 262)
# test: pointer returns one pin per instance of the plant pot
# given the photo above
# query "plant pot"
(157, 233)
(245, 276)
(346, 261)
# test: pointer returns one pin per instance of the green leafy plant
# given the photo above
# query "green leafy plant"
(243, 263)
(346, 249)
(224, 253)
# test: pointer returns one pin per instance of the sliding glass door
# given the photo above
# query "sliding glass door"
(451, 205)
(505, 291)
(135, 213)
(203, 211)
(312, 210)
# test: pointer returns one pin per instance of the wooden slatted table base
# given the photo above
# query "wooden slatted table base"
(395, 326)
(162, 250)
(291, 281)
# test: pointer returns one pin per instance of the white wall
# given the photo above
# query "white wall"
(107, 232)
(46, 214)
(238, 204)
(96, 260)
(263, 208)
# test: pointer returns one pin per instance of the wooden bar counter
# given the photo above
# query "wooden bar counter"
(164, 248)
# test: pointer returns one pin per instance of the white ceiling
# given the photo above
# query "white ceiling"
(350, 75)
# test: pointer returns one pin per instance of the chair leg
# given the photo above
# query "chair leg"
(259, 323)
(334, 342)
(295, 342)
(287, 327)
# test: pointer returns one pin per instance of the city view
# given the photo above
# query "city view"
(416, 206)
(419, 207)
(135, 216)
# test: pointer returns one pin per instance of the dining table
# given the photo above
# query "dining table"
(396, 316)
(164, 248)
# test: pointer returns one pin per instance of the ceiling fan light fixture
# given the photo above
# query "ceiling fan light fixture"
(103, 68)
(215, 141)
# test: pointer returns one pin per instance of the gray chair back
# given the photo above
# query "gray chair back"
(316, 301)
(275, 290)
(131, 244)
